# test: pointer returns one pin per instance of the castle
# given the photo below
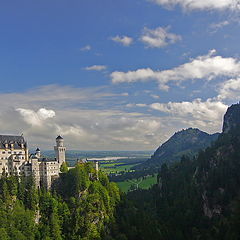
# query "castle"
(16, 160)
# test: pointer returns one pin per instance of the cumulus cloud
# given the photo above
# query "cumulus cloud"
(201, 5)
(96, 68)
(230, 90)
(203, 67)
(124, 40)
(86, 48)
(198, 113)
(159, 37)
(36, 118)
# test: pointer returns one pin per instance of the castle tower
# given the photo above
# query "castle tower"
(60, 150)
(36, 170)
(97, 168)
(38, 153)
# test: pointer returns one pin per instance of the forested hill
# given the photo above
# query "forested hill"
(186, 142)
(198, 198)
(81, 206)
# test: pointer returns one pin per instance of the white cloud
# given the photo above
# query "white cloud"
(86, 48)
(133, 76)
(201, 5)
(124, 40)
(141, 105)
(206, 115)
(203, 67)
(96, 68)
(230, 90)
(154, 96)
(36, 118)
(159, 37)
(216, 26)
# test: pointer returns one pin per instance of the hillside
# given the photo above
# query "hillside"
(186, 142)
(80, 206)
(197, 198)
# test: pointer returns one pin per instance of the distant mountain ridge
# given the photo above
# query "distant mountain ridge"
(185, 142)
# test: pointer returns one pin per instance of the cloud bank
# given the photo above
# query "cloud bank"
(85, 118)
(200, 5)
(230, 90)
(203, 67)
(205, 112)
(90, 119)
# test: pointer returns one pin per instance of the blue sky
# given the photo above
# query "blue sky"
(130, 73)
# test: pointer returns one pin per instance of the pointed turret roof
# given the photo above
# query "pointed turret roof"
(59, 137)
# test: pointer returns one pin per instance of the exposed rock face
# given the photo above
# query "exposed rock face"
(231, 118)
(185, 142)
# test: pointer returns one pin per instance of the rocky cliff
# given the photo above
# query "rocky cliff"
(231, 118)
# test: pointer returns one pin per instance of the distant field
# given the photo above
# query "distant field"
(122, 164)
(105, 157)
(137, 183)
(116, 167)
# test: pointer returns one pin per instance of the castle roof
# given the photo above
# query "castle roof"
(37, 150)
(47, 160)
(59, 137)
(11, 139)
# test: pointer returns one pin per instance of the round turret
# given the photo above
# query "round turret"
(38, 153)
(60, 150)
(59, 141)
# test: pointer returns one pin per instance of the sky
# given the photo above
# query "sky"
(116, 75)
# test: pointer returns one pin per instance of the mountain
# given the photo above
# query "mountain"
(196, 198)
(231, 118)
(186, 142)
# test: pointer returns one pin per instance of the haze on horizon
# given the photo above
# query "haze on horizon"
(120, 75)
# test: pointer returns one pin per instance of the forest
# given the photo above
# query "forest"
(197, 198)
(80, 206)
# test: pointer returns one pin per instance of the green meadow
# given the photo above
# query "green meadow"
(143, 183)
(126, 165)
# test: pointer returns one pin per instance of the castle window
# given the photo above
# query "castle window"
(3, 152)
(9, 152)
